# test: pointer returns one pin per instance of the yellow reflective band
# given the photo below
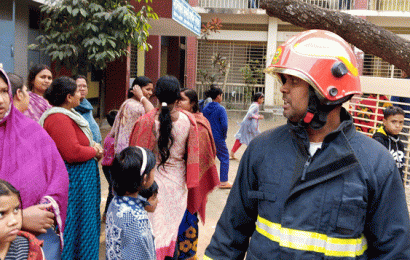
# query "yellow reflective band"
(311, 241)
(206, 258)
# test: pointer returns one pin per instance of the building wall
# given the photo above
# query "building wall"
(153, 58)
(191, 61)
(21, 39)
(117, 75)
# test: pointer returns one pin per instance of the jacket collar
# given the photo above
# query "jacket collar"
(337, 154)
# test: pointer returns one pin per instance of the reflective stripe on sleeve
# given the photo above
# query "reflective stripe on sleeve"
(311, 241)
(206, 258)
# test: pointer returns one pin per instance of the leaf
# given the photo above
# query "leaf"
(94, 28)
(83, 12)
(32, 46)
(75, 11)
(103, 40)
(113, 45)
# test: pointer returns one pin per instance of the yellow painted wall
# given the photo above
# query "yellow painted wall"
(93, 87)
(141, 63)
(164, 59)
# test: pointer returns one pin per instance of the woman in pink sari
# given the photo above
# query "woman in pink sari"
(172, 135)
(129, 112)
(118, 138)
(39, 79)
(30, 161)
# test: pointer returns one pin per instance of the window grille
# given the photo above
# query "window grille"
(134, 62)
(234, 4)
(376, 67)
(238, 54)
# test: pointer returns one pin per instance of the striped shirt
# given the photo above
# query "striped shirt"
(18, 250)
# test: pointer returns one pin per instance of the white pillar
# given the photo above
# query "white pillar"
(270, 52)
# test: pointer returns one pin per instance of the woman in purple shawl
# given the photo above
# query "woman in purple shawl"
(39, 79)
(30, 161)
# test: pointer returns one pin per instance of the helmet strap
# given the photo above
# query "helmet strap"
(316, 113)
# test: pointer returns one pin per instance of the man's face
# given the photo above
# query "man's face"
(82, 85)
(295, 96)
(394, 124)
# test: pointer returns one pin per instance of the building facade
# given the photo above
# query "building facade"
(249, 34)
(172, 37)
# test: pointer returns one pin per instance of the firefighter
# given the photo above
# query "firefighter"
(314, 188)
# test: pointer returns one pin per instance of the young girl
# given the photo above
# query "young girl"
(249, 125)
(14, 243)
(128, 230)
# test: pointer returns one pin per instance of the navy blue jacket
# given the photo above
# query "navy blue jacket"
(217, 117)
(285, 204)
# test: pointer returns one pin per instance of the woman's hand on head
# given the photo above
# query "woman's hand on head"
(137, 91)
(36, 219)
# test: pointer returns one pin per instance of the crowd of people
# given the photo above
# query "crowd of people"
(59, 184)
(313, 188)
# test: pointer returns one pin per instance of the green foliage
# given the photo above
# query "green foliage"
(220, 69)
(252, 74)
(80, 33)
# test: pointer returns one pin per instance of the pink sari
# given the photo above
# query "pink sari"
(30, 161)
(174, 180)
(36, 107)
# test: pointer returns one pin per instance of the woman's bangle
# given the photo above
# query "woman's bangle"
(142, 99)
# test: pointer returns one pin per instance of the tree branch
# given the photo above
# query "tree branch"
(366, 36)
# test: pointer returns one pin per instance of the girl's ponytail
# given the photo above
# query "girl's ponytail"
(167, 91)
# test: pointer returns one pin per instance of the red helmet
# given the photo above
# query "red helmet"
(324, 60)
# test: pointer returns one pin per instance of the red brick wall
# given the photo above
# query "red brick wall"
(153, 58)
(191, 59)
(194, 2)
(62, 72)
(163, 8)
(360, 4)
(117, 75)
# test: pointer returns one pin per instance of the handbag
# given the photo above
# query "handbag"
(109, 152)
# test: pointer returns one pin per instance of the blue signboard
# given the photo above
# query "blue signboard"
(184, 14)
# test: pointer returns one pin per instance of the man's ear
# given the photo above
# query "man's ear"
(68, 98)
(19, 95)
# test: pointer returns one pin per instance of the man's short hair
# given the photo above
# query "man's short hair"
(392, 111)
(16, 82)
(214, 92)
(80, 77)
